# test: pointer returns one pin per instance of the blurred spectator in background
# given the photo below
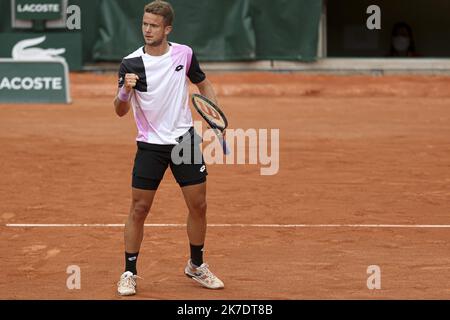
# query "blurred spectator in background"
(402, 41)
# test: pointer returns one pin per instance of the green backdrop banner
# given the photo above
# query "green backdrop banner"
(286, 29)
(218, 30)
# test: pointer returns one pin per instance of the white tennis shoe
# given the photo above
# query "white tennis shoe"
(127, 284)
(203, 276)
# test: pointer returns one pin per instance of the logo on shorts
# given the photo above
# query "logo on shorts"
(202, 169)
(179, 68)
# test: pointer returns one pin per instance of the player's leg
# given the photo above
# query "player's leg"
(149, 166)
(195, 197)
(191, 177)
(134, 228)
(190, 172)
(134, 234)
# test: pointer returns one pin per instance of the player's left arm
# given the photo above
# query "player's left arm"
(198, 77)
(207, 90)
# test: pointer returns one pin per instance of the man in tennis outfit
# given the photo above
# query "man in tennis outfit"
(153, 82)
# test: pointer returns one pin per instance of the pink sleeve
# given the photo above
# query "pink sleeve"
(189, 60)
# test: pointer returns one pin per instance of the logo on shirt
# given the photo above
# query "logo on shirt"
(179, 68)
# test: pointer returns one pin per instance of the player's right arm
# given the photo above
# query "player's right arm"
(122, 100)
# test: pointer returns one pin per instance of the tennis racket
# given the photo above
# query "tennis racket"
(213, 116)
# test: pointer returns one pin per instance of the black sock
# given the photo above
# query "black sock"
(197, 255)
(130, 262)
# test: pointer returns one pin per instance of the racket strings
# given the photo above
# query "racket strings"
(210, 113)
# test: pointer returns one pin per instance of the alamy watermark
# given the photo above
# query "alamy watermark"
(73, 21)
(374, 279)
(250, 146)
(374, 20)
(74, 280)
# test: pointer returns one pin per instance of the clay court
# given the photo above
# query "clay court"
(364, 180)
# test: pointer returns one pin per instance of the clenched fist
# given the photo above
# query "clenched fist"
(130, 81)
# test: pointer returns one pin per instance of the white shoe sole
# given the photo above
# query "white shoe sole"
(126, 294)
(193, 277)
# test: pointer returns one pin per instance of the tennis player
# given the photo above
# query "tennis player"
(153, 82)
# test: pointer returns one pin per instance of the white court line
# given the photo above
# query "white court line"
(411, 226)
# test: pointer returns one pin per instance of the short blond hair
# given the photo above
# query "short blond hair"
(161, 8)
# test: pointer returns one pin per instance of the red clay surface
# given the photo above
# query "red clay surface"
(353, 150)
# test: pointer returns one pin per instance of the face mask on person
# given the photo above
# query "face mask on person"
(401, 43)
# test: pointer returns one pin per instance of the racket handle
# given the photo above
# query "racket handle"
(225, 149)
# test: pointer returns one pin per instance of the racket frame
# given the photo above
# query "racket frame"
(217, 130)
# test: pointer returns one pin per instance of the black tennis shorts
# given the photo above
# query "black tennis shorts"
(186, 162)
